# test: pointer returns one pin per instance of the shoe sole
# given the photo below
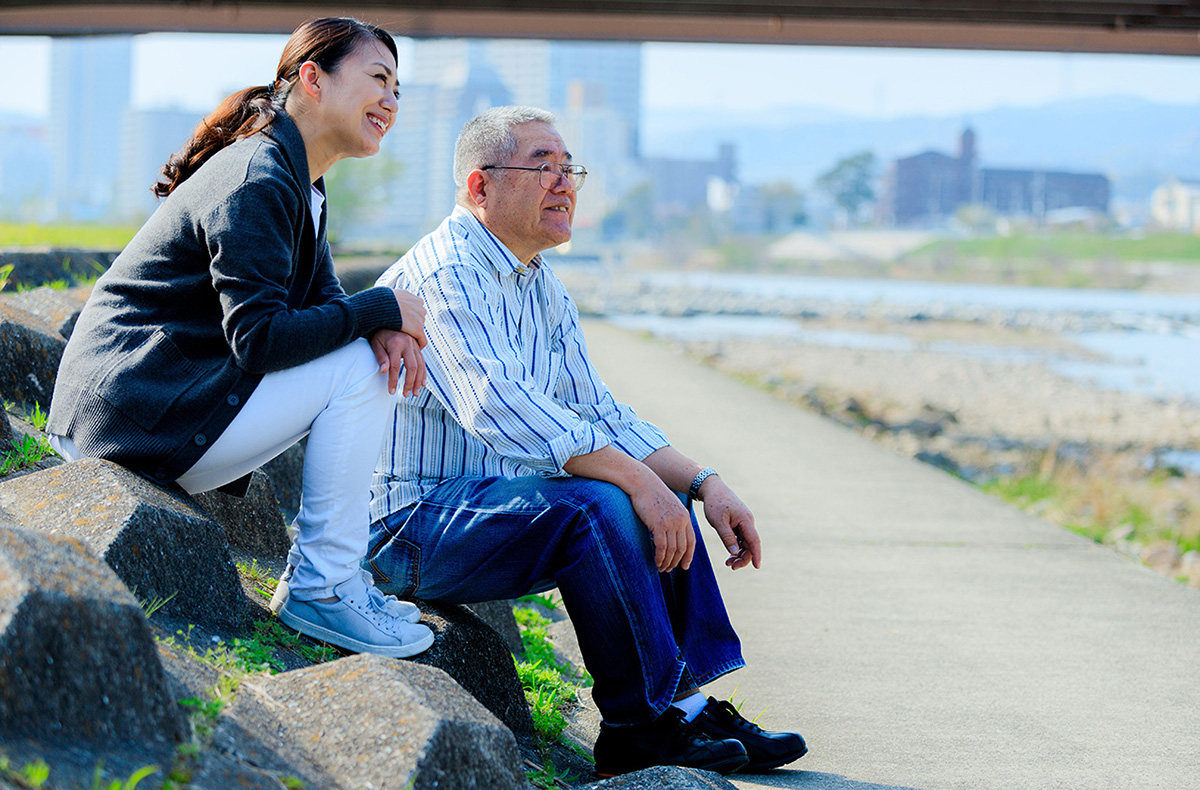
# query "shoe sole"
(727, 766)
(767, 766)
(341, 640)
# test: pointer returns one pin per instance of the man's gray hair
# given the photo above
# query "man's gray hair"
(488, 139)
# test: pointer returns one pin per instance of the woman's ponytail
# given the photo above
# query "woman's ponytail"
(242, 114)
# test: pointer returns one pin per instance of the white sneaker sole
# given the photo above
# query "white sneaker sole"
(280, 597)
(349, 643)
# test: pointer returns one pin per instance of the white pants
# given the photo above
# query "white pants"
(341, 402)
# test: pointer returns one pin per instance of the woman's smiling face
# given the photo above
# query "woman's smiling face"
(359, 102)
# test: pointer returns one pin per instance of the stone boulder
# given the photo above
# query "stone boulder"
(362, 721)
(253, 523)
(499, 616)
(57, 307)
(77, 659)
(41, 266)
(468, 650)
(159, 543)
(30, 350)
(7, 435)
(664, 777)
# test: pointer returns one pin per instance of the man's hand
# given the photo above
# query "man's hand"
(412, 317)
(669, 524)
(395, 350)
(733, 521)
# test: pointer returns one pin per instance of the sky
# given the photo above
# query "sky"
(195, 71)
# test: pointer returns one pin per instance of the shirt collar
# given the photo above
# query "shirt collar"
(494, 251)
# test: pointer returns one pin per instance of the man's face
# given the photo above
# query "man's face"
(525, 216)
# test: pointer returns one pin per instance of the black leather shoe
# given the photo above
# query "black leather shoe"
(668, 740)
(766, 750)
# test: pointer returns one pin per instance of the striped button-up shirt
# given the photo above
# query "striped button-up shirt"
(510, 389)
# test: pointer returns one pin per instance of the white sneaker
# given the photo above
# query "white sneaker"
(403, 609)
(355, 622)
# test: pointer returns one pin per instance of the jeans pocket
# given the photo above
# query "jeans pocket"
(394, 562)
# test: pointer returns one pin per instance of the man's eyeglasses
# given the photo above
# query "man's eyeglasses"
(549, 175)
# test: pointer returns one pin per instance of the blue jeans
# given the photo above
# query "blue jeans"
(486, 538)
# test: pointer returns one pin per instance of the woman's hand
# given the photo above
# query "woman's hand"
(412, 314)
(395, 350)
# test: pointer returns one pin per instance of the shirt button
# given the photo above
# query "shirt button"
(233, 400)
(200, 440)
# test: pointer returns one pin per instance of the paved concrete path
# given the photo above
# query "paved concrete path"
(919, 633)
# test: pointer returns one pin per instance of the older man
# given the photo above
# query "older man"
(516, 471)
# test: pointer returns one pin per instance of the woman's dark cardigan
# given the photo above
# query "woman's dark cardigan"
(227, 281)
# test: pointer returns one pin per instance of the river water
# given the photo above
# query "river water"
(1146, 342)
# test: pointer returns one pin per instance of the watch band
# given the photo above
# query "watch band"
(699, 480)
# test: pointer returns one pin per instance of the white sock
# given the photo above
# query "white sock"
(691, 706)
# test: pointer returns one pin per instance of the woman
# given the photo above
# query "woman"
(220, 336)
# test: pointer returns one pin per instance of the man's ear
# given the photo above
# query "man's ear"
(310, 76)
(477, 184)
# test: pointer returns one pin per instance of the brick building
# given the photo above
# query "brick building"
(927, 189)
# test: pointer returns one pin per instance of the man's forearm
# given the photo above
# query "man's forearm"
(676, 469)
(612, 466)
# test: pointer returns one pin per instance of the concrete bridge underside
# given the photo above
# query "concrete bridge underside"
(1126, 26)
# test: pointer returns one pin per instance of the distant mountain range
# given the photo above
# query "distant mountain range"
(1135, 142)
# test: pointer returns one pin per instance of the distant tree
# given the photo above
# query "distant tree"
(849, 183)
(633, 216)
(358, 191)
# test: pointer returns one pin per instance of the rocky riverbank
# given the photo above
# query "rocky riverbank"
(969, 390)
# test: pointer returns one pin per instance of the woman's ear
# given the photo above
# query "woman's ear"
(310, 77)
(477, 185)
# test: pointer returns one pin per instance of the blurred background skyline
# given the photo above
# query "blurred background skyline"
(701, 141)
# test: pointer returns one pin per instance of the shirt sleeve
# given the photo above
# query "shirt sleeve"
(251, 237)
(476, 373)
(581, 389)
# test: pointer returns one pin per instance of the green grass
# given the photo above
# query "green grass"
(264, 581)
(1106, 506)
(550, 686)
(25, 453)
(36, 774)
(1071, 246)
(80, 236)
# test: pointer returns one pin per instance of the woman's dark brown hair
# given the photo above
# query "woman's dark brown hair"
(325, 42)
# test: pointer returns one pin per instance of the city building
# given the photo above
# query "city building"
(25, 169)
(148, 139)
(90, 79)
(593, 88)
(929, 188)
(1175, 205)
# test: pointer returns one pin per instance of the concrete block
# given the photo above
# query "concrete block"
(30, 350)
(57, 307)
(499, 616)
(468, 650)
(7, 435)
(253, 524)
(41, 266)
(160, 544)
(665, 777)
(369, 721)
(77, 659)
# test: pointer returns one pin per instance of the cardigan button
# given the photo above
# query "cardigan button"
(200, 440)
(233, 400)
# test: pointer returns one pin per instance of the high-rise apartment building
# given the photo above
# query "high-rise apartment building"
(90, 80)
(593, 88)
